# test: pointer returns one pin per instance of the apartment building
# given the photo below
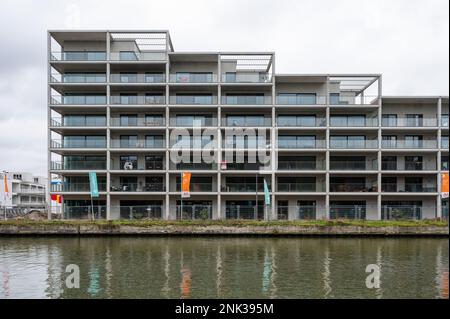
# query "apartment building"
(24, 191)
(120, 103)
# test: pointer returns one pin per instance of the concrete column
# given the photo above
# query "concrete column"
(439, 159)
(108, 130)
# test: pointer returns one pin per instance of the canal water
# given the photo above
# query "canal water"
(145, 267)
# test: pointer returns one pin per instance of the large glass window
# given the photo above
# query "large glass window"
(245, 120)
(292, 141)
(297, 98)
(154, 141)
(389, 163)
(129, 162)
(297, 120)
(389, 120)
(128, 120)
(414, 120)
(389, 141)
(444, 120)
(154, 77)
(348, 120)
(128, 77)
(347, 141)
(413, 141)
(127, 56)
(182, 98)
(128, 141)
(413, 163)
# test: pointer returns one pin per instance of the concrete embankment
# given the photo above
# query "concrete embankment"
(217, 230)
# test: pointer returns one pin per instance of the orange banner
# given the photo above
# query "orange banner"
(185, 184)
(5, 180)
(444, 185)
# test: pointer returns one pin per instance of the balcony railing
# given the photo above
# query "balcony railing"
(300, 187)
(138, 78)
(78, 100)
(140, 212)
(243, 167)
(301, 100)
(195, 187)
(299, 122)
(244, 212)
(132, 187)
(402, 144)
(195, 166)
(246, 100)
(246, 77)
(78, 56)
(408, 212)
(101, 143)
(397, 166)
(318, 99)
(368, 122)
(301, 165)
(115, 143)
(352, 187)
(138, 100)
(192, 122)
(237, 122)
(79, 122)
(314, 144)
(75, 187)
(84, 212)
(444, 144)
(193, 100)
(193, 78)
(31, 191)
(135, 122)
(357, 212)
(353, 165)
(78, 78)
(193, 212)
(242, 145)
(130, 56)
(405, 122)
(243, 187)
(78, 165)
(360, 144)
(408, 188)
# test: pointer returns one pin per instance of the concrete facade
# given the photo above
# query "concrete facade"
(26, 191)
(337, 147)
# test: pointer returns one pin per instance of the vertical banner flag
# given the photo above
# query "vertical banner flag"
(266, 193)
(93, 184)
(444, 185)
(7, 191)
(56, 198)
(185, 184)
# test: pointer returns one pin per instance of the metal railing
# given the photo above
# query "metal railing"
(299, 122)
(301, 187)
(352, 187)
(201, 121)
(406, 122)
(78, 78)
(194, 187)
(243, 122)
(193, 78)
(84, 212)
(363, 144)
(137, 99)
(301, 144)
(134, 166)
(75, 187)
(367, 122)
(115, 143)
(193, 212)
(244, 212)
(140, 212)
(243, 167)
(57, 143)
(403, 144)
(193, 100)
(138, 78)
(408, 188)
(357, 212)
(31, 191)
(194, 166)
(243, 187)
(246, 100)
(134, 122)
(245, 144)
(78, 56)
(134, 187)
(246, 77)
(301, 165)
(396, 166)
(130, 56)
(353, 165)
(85, 122)
(78, 99)
(390, 212)
(77, 165)
(301, 100)
(319, 99)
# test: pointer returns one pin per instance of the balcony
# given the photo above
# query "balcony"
(140, 212)
(78, 165)
(300, 187)
(195, 166)
(301, 165)
(301, 99)
(30, 191)
(235, 121)
(151, 144)
(444, 143)
(294, 121)
(353, 165)
(193, 100)
(243, 167)
(357, 212)
(75, 187)
(193, 78)
(301, 144)
(403, 212)
(193, 212)
(407, 166)
(84, 212)
(78, 78)
(78, 56)
(246, 100)
(78, 121)
(360, 122)
(138, 78)
(138, 100)
(137, 122)
(353, 144)
(193, 121)
(78, 99)
(409, 122)
(246, 77)
(132, 56)
(402, 144)
(352, 187)
(243, 187)
(95, 143)
(133, 187)
(408, 188)
(195, 187)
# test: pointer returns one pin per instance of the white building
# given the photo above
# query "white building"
(25, 190)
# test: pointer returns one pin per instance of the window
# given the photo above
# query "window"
(186, 98)
(128, 120)
(154, 162)
(128, 77)
(154, 141)
(245, 120)
(348, 209)
(283, 209)
(347, 162)
(413, 141)
(347, 141)
(128, 184)
(129, 162)
(128, 141)
(414, 120)
(306, 141)
(445, 163)
(444, 142)
(389, 141)
(296, 184)
(413, 163)
(297, 98)
(230, 77)
(306, 209)
(389, 163)
(389, 120)
(153, 77)
(348, 120)
(127, 56)
(413, 184)
(297, 162)
(389, 184)
(191, 120)
(197, 77)
(154, 120)
(297, 120)
(128, 98)
(444, 120)
(335, 98)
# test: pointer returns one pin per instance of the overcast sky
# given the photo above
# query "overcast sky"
(405, 40)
